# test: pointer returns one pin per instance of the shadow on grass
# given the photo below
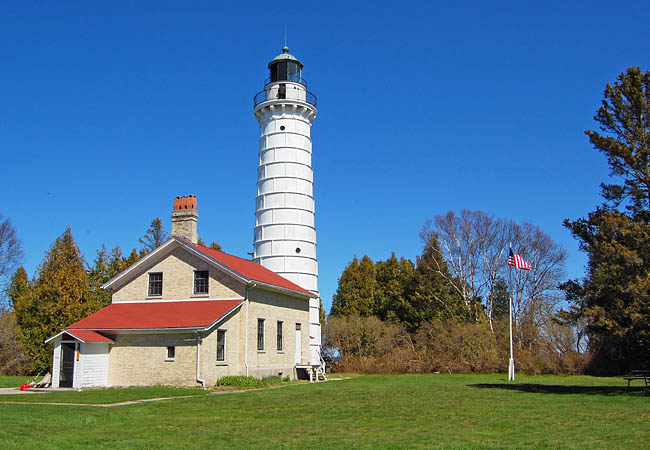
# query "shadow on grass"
(560, 389)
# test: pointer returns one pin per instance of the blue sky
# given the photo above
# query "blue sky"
(110, 109)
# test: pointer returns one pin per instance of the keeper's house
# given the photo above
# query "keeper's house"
(187, 314)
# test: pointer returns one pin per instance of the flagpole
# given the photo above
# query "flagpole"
(511, 364)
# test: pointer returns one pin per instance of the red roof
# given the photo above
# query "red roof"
(87, 336)
(251, 270)
(156, 315)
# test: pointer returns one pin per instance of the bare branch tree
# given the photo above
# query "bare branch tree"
(475, 246)
(11, 254)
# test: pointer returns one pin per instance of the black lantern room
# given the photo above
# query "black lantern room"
(285, 67)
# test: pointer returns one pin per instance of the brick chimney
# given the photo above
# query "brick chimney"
(185, 217)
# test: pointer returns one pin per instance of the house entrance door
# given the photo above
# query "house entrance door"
(298, 346)
(67, 364)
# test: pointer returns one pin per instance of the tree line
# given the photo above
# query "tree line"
(63, 290)
(449, 304)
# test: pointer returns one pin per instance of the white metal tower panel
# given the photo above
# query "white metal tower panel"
(285, 235)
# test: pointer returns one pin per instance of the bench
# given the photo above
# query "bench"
(638, 375)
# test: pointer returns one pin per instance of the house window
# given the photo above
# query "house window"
(260, 334)
(279, 335)
(201, 282)
(171, 353)
(155, 284)
(221, 345)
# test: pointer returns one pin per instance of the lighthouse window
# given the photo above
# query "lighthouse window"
(297, 249)
(279, 72)
(282, 128)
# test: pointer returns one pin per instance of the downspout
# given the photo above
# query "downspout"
(246, 331)
(198, 360)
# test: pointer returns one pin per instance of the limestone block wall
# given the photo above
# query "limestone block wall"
(178, 280)
(139, 360)
(274, 307)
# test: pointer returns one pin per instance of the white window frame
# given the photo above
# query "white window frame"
(224, 361)
(167, 357)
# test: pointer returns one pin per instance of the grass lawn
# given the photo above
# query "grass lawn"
(11, 381)
(457, 411)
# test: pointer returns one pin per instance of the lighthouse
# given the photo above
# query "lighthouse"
(285, 235)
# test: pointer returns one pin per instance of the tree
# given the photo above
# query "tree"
(11, 255)
(624, 120)
(356, 290)
(436, 295)
(59, 296)
(394, 289)
(155, 236)
(107, 266)
(474, 246)
(614, 296)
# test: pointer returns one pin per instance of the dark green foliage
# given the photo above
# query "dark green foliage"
(356, 291)
(59, 296)
(500, 299)
(243, 382)
(614, 297)
(397, 290)
(437, 294)
(108, 266)
(624, 120)
(154, 237)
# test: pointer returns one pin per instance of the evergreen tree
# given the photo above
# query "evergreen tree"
(395, 287)
(355, 294)
(59, 296)
(615, 294)
(437, 295)
(155, 236)
(500, 295)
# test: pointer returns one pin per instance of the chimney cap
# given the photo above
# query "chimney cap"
(185, 202)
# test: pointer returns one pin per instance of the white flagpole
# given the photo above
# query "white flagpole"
(511, 365)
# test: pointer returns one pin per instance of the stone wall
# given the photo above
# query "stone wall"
(139, 359)
(273, 307)
(178, 280)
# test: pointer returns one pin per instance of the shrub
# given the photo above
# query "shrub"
(241, 382)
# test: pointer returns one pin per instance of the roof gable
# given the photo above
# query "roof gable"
(252, 270)
(241, 269)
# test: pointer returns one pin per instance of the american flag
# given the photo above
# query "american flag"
(518, 262)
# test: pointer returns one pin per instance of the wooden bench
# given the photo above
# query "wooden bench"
(638, 375)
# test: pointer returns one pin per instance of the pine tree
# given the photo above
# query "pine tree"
(435, 296)
(59, 296)
(395, 287)
(355, 294)
(614, 297)
(155, 236)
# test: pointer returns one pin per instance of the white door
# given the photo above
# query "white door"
(298, 347)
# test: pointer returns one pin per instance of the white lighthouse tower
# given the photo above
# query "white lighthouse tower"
(285, 236)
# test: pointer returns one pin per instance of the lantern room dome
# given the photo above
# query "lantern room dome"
(285, 56)
(285, 67)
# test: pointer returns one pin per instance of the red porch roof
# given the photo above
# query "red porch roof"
(156, 315)
(87, 336)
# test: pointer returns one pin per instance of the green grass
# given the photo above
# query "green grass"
(103, 396)
(12, 381)
(398, 411)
